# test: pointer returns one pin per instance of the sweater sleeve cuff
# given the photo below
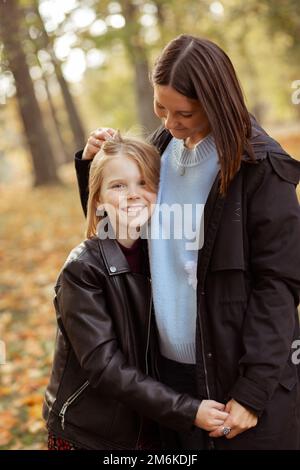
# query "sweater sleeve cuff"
(248, 394)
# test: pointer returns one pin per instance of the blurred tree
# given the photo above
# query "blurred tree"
(109, 98)
(283, 18)
(262, 39)
(64, 153)
(278, 18)
(132, 36)
(61, 146)
(12, 37)
(45, 41)
(137, 52)
(260, 36)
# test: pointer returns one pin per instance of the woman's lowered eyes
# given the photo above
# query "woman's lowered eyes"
(186, 114)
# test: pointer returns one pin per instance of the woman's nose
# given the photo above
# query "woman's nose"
(169, 121)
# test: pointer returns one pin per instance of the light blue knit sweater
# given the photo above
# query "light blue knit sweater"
(186, 178)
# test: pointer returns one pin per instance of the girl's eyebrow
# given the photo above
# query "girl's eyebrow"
(116, 180)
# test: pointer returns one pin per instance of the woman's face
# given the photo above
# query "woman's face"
(125, 196)
(182, 116)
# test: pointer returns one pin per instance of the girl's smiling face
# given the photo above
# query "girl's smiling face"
(125, 196)
(182, 116)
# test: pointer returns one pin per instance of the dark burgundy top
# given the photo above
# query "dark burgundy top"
(134, 256)
(149, 438)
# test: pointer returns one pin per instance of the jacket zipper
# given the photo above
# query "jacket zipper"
(211, 444)
(69, 401)
(203, 353)
(148, 335)
(147, 348)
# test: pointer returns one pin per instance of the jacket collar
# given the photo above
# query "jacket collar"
(114, 259)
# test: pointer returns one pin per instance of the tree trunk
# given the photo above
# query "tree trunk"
(63, 156)
(137, 53)
(74, 119)
(144, 96)
(75, 122)
(42, 156)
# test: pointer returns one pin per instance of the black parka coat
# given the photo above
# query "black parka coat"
(248, 292)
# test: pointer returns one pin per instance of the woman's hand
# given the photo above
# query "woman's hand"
(95, 141)
(240, 419)
(210, 415)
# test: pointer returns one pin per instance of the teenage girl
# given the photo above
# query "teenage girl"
(101, 394)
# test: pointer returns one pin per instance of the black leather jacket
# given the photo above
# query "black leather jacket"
(100, 385)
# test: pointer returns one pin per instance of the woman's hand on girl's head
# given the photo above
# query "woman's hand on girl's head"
(210, 415)
(95, 140)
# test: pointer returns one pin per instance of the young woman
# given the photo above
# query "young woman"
(100, 394)
(226, 314)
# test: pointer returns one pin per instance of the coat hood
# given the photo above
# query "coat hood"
(264, 146)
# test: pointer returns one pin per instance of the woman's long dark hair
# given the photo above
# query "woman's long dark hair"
(199, 69)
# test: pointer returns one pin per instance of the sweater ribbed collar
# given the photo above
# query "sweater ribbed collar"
(186, 157)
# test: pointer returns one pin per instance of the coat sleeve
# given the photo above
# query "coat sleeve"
(82, 168)
(81, 307)
(271, 318)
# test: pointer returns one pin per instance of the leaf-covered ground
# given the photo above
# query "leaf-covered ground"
(37, 230)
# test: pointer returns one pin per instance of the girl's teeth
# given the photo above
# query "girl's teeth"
(134, 209)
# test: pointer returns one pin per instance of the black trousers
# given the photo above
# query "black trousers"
(182, 378)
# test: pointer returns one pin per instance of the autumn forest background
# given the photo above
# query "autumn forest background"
(67, 67)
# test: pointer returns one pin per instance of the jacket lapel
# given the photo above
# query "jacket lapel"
(114, 259)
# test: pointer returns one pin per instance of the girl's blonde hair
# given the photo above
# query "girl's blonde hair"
(143, 154)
